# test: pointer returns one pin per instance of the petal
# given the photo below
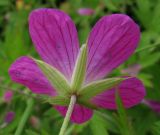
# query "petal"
(25, 71)
(55, 38)
(153, 104)
(112, 40)
(80, 113)
(131, 91)
(9, 117)
(86, 11)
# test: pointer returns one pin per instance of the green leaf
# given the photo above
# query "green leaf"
(98, 87)
(4, 2)
(110, 5)
(124, 125)
(109, 119)
(80, 69)
(30, 132)
(121, 109)
(57, 79)
(98, 125)
(156, 128)
(151, 59)
(57, 100)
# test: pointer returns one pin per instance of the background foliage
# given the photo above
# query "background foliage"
(43, 120)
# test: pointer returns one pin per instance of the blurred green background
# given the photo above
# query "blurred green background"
(43, 120)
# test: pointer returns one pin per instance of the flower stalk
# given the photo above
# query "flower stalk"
(68, 115)
(25, 116)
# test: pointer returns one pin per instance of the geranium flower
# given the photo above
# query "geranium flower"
(112, 40)
(86, 11)
(8, 96)
(9, 117)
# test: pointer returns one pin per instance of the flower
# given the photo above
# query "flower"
(154, 105)
(112, 40)
(9, 117)
(86, 11)
(8, 96)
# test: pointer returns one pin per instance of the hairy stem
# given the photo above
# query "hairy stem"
(68, 115)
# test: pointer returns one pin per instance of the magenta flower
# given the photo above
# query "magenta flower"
(154, 105)
(8, 96)
(86, 11)
(9, 117)
(112, 40)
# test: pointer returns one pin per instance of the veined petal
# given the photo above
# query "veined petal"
(112, 40)
(25, 71)
(130, 90)
(55, 38)
(80, 113)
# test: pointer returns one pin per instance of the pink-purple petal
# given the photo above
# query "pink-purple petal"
(112, 40)
(25, 71)
(55, 38)
(8, 96)
(86, 11)
(153, 104)
(131, 92)
(80, 113)
(9, 117)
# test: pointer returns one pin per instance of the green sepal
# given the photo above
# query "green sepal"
(87, 103)
(57, 79)
(79, 69)
(56, 100)
(97, 87)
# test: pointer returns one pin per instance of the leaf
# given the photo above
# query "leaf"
(110, 121)
(121, 109)
(110, 5)
(124, 125)
(98, 126)
(150, 59)
(4, 3)
(156, 128)
(146, 79)
(57, 79)
(30, 132)
(143, 8)
(80, 69)
(98, 87)
(57, 100)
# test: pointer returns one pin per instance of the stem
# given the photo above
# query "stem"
(147, 47)
(68, 115)
(25, 116)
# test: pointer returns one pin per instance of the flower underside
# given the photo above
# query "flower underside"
(76, 86)
(68, 70)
